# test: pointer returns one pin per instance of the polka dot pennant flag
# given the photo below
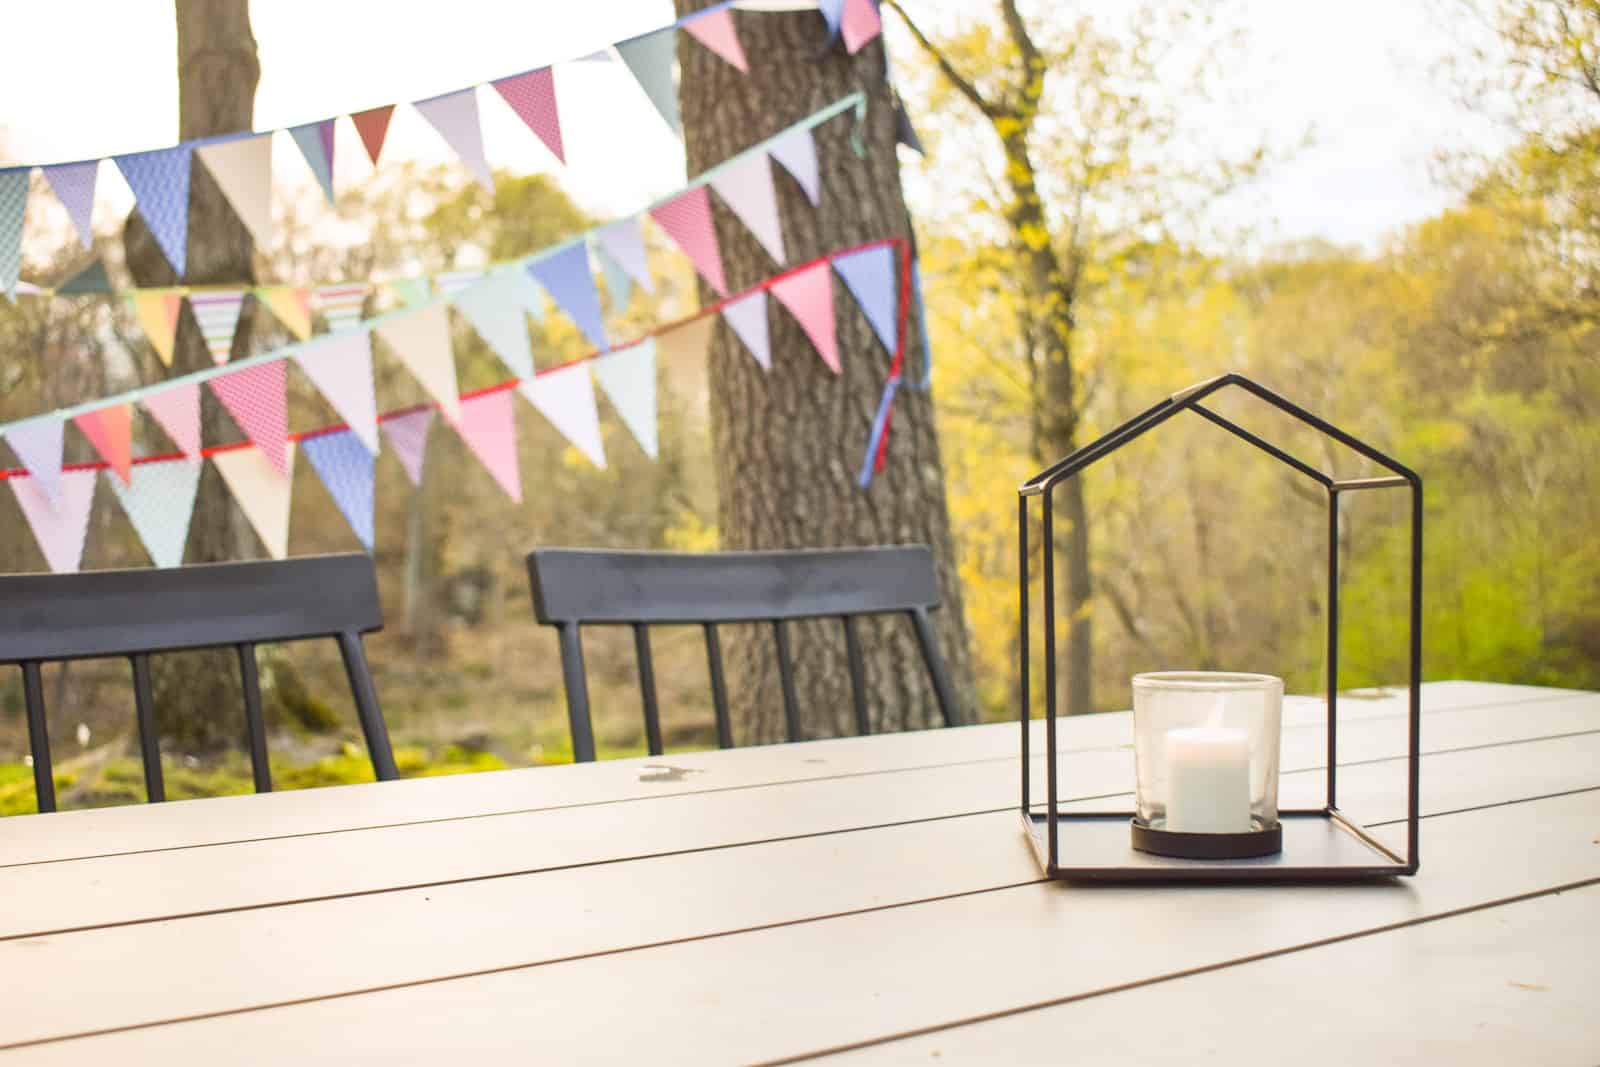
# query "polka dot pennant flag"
(256, 398)
(408, 438)
(344, 464)
(808, 294)
(59, 523)
(13, 206)
(177, 410)
(687, 220)
(159, 501)
(533, 97)
(73, 184)
(160, 183)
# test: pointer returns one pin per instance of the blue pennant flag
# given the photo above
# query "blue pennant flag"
(650, 58)
(345, 467)
(494, 306)
(870, 277)
(565, 276)
(160, 184)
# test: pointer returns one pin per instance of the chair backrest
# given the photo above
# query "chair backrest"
(134, 613)
(573, 588)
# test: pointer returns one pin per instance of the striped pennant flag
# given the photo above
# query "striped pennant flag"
(341, 304)
(217, 315)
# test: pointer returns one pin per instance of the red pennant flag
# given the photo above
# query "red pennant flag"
(808, 294)
(110, 430)
(255, 397)
(533, 97)
(687, 220)
(373, 126)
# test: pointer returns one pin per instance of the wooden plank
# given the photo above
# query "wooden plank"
(231, 960)
(1506, 985)
(786, 990)
(142, 828)
(56, 896)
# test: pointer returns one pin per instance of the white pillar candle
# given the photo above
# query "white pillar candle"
(1208, 780)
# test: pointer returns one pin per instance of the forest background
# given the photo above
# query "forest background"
(1463, 343)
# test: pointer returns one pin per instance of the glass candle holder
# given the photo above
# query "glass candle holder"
(1206, 761)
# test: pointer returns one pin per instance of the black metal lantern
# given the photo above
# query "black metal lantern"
(1305, 843)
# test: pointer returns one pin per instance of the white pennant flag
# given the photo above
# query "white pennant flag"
(565, 396)
(628, 377)
(243, 170)
(262, 493)
(745, 185)
(798, 154)
(421, 339)
(340, 365)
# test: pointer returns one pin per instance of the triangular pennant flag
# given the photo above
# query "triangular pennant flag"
(158, 315)
(316, 144)
(411, 291)
(177, 410)
(808, 294)
(619, 285)
(745, 185)
(373, 126)
(256, 397)
(91, 279)
(38, 445)
(922, 323)
(453, 281)
(110, 430)
(685, 343)
(243, 169)
(859, 23)
(494, 307)
(408, 437)
(533, 97)
(904, 132)
(262, 492)
(628, 377)
(292, 307)
(624, 243)
(159, 501)
(796, 152)
(73, 184)
(832, 14)
(650, 59)
(217, 315)
(565, 276)
(13, 207)
(59, 524)
(687, 220)
(341, 304)
(455, 116)
(715, 31)
(421, 339)
(748, 317)
(341, 369)
(565, 396)
(489, 427)
(870, 277)
(160, 184)
(344, 464)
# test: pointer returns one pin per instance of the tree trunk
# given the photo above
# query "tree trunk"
(789, 442)
(198, 693)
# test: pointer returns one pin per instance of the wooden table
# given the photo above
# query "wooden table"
(867, 899)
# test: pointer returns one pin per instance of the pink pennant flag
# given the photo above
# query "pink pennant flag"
(408, 436)
(565, 396)
(859, 24)
(421, 339)
(716, 32)
(489, 427)
(110, 430)
(256, 398)
(745, 185)
(262, 492)
(533, 97)
(808, 294)
(687, 220)
(38, 446)
(455, 116)
(177, 411)
(341, 368)
(59, 525)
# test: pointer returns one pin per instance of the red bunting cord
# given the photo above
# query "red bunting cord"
(901, 245)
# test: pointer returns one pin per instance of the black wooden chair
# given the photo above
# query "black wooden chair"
(134, 613)
(573, 588)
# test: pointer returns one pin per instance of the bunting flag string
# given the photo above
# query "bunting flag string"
(241, 162)
(158, 491)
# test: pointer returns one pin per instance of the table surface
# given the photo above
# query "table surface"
(865, 899)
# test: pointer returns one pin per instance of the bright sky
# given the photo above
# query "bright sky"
(1356, 72)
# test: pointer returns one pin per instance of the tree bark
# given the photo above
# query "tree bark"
(198, 693)
(789, 442)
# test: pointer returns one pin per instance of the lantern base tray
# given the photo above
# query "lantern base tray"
(1317, 845)
(1262, 841)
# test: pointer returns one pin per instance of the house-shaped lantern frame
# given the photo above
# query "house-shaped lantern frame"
(1319, 844)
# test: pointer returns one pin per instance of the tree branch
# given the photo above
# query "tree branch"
(1033, 66)
(962, 84)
